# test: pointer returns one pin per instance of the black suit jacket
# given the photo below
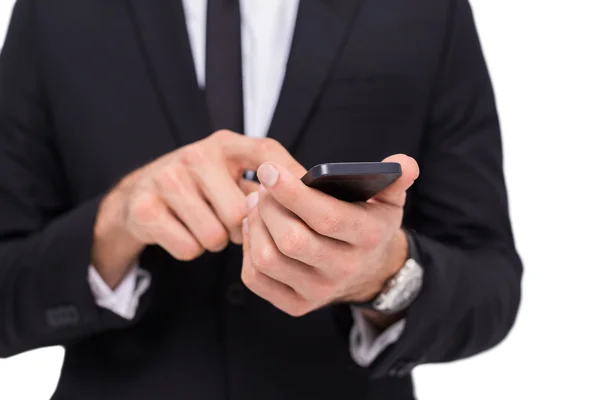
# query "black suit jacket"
(92, 89)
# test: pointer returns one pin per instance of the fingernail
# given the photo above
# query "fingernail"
(268, 175)
(252, 200)
(245, 225)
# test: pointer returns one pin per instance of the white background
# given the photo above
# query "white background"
(544, 57)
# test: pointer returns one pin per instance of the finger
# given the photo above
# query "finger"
(225, 196)
(324, 214)
(170, 234)
(395, 194)
(247, 186)
(250, 152)
(280, 295)
(294, 239)
(182, 196)
(268, 260)
(274, 292)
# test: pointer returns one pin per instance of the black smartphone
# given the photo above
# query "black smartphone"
(352, 182)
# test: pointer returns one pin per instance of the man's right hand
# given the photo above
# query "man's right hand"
(189, 201)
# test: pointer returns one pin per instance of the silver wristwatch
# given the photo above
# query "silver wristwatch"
(403, 288)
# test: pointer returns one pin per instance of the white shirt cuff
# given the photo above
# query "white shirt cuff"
(123, 300)
(365, 342)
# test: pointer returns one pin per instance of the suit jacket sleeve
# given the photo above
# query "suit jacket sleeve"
(45, 239)
(459, 211)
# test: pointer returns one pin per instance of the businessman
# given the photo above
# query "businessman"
(152, 219)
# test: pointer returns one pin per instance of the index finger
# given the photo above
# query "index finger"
(251, 152)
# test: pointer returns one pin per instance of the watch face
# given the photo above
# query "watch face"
(402, 289)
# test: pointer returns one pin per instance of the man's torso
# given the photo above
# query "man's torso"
(122, 90)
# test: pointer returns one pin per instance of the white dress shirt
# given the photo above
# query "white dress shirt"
(267, 31)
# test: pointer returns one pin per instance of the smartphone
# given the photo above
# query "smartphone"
(352, 182)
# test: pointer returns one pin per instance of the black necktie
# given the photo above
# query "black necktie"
(224, 65)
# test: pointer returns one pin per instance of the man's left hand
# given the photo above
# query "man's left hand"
(304, 249)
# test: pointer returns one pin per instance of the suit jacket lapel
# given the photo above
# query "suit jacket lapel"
(163, 36)
(321, 29)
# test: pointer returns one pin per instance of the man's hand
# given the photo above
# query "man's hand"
(304, 249)
(189, 201)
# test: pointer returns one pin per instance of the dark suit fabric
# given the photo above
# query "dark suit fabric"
(92, 89)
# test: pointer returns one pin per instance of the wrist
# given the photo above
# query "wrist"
(396, 256)
(114, 248)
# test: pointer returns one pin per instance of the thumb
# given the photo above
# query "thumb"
(395, 194)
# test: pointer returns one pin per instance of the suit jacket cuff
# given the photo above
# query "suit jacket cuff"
(466, 306)
(366, 342)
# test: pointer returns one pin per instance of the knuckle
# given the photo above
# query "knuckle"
(358, 225)
(330, 223)
(249, 276)
(269, 145)
(214, 239)
(298, 309)
(264, 259)
(170, 178)
(188, 252)
(145, 207)
(223, 134)
(193, 155)
(293, 242)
